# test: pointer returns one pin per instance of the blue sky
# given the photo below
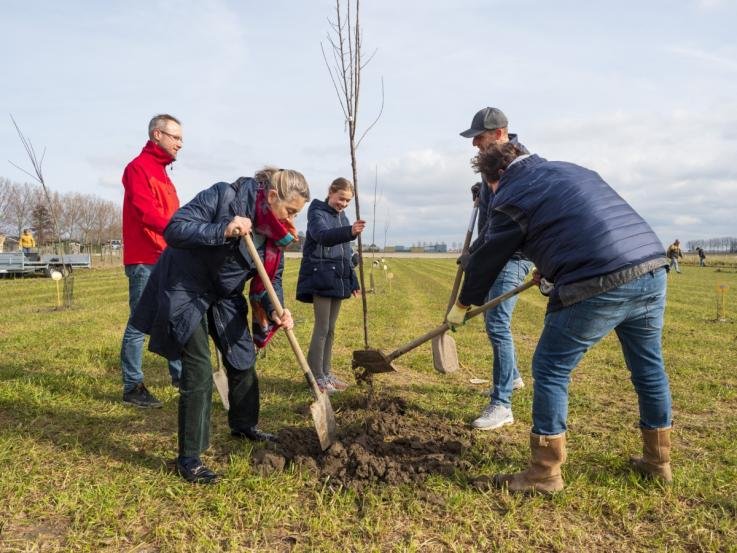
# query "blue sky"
(645, 93)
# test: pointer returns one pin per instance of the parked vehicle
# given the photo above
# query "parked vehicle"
(19, 263)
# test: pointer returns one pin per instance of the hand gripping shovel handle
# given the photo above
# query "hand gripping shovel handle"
(280, 311)
(466, 244)
(472, 313)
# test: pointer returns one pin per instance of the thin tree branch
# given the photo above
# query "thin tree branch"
(381, 110)
(335, 84)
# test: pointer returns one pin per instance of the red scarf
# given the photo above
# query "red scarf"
(278, 234)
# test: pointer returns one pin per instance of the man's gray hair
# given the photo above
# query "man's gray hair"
(159, 122)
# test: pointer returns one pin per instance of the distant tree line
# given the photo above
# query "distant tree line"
(82, 218)
(727, 244)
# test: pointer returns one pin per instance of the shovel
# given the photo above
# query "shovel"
(321, 409)
(444, 353)
(374, 361)
(221, 381)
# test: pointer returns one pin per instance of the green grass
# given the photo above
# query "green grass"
(82, 472)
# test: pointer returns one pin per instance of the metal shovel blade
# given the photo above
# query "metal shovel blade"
(374, 361)
(221, 381)
(323, 418)
(444, 354)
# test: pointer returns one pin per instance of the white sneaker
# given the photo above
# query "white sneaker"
(337, 383)
(326, 386)
(494, 416)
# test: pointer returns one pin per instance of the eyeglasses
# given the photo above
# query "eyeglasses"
(174, 137)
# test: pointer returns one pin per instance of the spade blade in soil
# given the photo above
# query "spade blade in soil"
(374, 361)
(324, 419)
(221, 383)
(444, 354)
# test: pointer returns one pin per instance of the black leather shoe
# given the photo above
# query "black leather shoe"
(197, 474)
(141, 397)
(254, 434)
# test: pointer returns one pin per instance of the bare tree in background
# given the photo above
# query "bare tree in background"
(84, 218)
(21, 206)
(344, 66)
(37, 165)
(6, 196)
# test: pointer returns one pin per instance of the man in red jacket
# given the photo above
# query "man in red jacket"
(150, 201)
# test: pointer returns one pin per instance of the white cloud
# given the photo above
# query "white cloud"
(686, 220)
(729, 63)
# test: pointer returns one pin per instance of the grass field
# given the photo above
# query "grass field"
(80, 471)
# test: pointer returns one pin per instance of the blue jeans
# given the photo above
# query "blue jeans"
(498, 327)
(131, 351)
(635, 312)
(674, 264)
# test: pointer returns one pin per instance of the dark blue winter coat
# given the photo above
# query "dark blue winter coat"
(326, 269)
(576, 229)
(201, 270)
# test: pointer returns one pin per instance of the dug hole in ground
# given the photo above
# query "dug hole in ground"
(381, 440)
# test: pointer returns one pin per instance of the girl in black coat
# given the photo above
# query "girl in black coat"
(326, 275)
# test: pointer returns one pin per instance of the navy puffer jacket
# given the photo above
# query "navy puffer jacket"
(577, 226)
(326, 269)
(581, 234)
(201, 270)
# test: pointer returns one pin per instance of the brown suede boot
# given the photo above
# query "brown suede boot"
(543, 475)
(655, 460)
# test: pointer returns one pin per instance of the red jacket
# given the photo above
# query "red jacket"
(150, 201)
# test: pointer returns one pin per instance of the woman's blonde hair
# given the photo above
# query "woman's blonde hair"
(340, 184)
(286, 182)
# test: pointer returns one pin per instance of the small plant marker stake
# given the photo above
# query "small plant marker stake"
(56, 276)
(721, 302)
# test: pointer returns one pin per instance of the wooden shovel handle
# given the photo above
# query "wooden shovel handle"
(466, 244)
(280, 311)
(472, 313)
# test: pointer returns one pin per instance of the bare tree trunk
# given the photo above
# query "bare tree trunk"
(345, 74)
(360, 249)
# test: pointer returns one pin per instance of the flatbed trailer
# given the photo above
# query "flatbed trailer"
(19, 263)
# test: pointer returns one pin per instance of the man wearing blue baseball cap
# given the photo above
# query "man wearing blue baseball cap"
(489, 126)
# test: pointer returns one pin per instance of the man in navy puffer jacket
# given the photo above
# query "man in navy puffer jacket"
(608, 271)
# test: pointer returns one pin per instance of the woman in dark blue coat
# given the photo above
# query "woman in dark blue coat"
(196, 289)
(326, 276)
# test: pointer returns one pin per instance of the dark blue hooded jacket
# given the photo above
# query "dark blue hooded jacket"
(576, 229)
(201, 270)
(327, 268)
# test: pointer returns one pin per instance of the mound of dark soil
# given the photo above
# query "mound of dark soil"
(380, 441)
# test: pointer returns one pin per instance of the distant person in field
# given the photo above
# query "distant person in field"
(702, 256)
(608, 273)
(150, 200)
(489, 127)
(197, 288)
(326, 275)
(673, 253)
(27, 242)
